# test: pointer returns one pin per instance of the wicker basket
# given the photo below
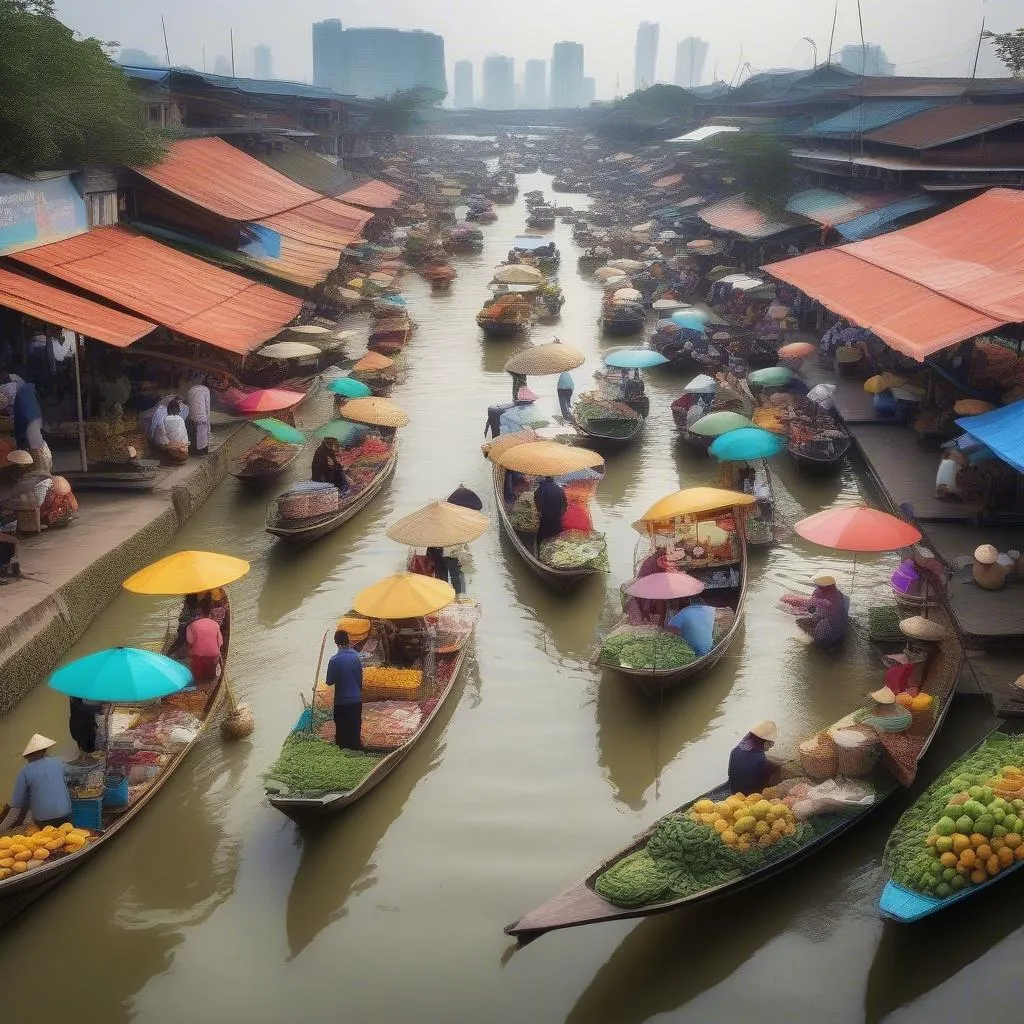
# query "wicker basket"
(859, 760)
(818, 757)
(294, 506)
(323, 503)
(922, 722)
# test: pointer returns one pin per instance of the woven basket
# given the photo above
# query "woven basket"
(294, 506)
(818, 757)
(323, 503)
(922, 722)
(859, 761)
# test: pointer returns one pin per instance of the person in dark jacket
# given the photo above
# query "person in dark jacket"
(551, 505)
(326, 468)
(750, 769)
(82, 724)
(345, 674)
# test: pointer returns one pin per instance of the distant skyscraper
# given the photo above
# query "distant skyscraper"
(221, 65)
(463, 97)
(691, 55)
(865, 60)
(499, 83)
(535, 85)
(374, 62)
(567, 75)
(589, 91)
(646, 55)
(136, 58)
(261, 65)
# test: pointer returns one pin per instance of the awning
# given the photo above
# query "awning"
(736, 215)
(706, 132)
(866, 117)
(1002, 430)
(827, 207)
(168, 287)
(54, 306)
(374, 195)
(668, 181)
(875, 222)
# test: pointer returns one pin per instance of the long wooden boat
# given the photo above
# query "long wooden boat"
(580, 904)
(255, 470)
(300, 807)
(501, 328)
(19, 891)
(616, 323)
(604, 439)
(304, 531)
(550, 574)
(820, 456)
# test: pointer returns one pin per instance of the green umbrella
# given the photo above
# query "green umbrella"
(771, 377)
(341, 430)
(349, 387)
(717, 423)
(281, 431)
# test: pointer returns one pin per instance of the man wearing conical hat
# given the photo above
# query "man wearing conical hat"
(40, 789)
(750, 769)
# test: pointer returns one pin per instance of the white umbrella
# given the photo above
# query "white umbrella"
(701, 383)
(288, 350)
(518, 274)
(308, 329)
(627, 265)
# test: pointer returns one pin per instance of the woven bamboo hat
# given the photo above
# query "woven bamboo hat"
(985, 554)
(766, 730)
(917, 627)
(377, 412)
(439, 525)
(37, 743)
(506, 441)
(373, 361)
(546, 458)
(883, 696)
(19, 457)
(545, 360)
(823, 580)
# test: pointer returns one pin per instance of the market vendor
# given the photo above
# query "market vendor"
(345, 674)
(696, 625)
(28, 427)
(566, 386)
(326, 468)
(82, 724)
(205, 643)
(199, 416)
(52, 495)
(40, 789)
(551, 504)
(825, 617)
(171, 434)
(750, 768)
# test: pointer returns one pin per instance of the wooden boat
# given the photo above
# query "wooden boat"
(390, 335)
(822, 454)
(501, 328)
(541, 217)
(580, 904)
(550, 574)
(303, 531)
(605, 438)
(299, 807)
(19, 891)
(263, 461)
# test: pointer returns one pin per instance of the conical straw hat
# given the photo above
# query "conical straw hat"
(547, 458)
(542, 360)
(377, 412)
(505, 441)
(439, 525)
(373, 361)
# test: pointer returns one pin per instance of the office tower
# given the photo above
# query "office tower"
(261, 65)
(589, 91)
(865, 60)
(373, 62)
(535, 84)
(566, 74)
(691, 56)
(499, 82)
(463, 86)
(222, 66)
(646, 55)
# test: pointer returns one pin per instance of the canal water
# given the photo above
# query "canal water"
(214, 907)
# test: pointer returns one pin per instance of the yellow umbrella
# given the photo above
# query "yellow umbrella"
(439, 525)
(187, 572)
(546, 458)
(378, 412)
(882, 382)
(972, 407)
(694, 500)
(405, 596)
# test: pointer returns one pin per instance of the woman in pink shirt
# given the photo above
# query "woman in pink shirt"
(205, 642)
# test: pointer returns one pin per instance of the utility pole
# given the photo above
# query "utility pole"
(832, 37)
(231, 37)
(814, 48)
(977, 52)
(167, 52)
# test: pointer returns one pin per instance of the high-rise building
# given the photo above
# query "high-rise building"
(373, 62)
(869, 59)
(261, 64)
(136, 58)
(589, 91)
(499, 82)
(646, 55)
(463, 86)
(566, 74)
(535, 85)
(222, 66)
(691, 56)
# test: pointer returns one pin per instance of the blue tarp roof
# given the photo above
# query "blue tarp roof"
(258, 86)
(866, 117)
(1002, 430)
(879, 221)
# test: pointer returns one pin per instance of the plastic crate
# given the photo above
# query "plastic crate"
(87, 813)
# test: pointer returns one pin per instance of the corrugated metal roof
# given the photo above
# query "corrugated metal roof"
(827, 207)
(312, 170)
(944, 125)
(180, 77)
(168, 287)
(55, 306)
(374, 195)
(866, 117)
(877, 221)
(739, 217)
(956, 275)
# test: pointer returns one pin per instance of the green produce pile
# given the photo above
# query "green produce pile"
(967, 827)
(524, 513)
(310, 766)
(573, 549)
(645, 649)
(884, 622)
(616, 419)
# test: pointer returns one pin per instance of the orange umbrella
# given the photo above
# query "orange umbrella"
(270, 400)
(796, 350)
(857, 529)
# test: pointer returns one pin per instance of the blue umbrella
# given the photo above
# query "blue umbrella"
(746, 443)
(349, 387)
(635, 359)
(121, 675)
(685, 317)
(281, 431)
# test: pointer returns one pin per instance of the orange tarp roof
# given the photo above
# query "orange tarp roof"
(669, 179)
(43, 301)
(931, 285)
(374, 195)
(168, 287)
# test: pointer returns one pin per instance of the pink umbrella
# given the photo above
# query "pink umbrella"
(796, 350)
(665, 586)
(269, 400)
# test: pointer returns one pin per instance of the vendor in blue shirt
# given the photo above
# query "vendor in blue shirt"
(40, 788)
(345, 674)
(750, 769)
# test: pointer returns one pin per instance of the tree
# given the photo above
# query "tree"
(1009, 47)
(663, 100)
(63, 102)
(403, 109)
(762, 167)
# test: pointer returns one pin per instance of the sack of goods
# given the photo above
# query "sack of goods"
(391, 683)
(307, 500)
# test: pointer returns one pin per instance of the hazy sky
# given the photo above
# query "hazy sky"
(919, 36)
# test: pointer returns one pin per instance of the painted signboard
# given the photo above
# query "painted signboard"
(34, 211)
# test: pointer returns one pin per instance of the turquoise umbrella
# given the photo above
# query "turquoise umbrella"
(121, 675)
(349, 387)
(692, 318)
(281, 431)
(341, 430)
(746, 443)
(635, 359)
(771, 377)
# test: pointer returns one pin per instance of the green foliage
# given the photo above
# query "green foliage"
(403, 110)
(63, 102)
(664, 100)
(762, 168)
(1009, 47)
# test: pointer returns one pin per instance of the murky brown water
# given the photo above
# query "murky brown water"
(214, 907)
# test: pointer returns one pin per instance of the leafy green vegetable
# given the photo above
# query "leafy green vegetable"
(647, 650)
(310, 765)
